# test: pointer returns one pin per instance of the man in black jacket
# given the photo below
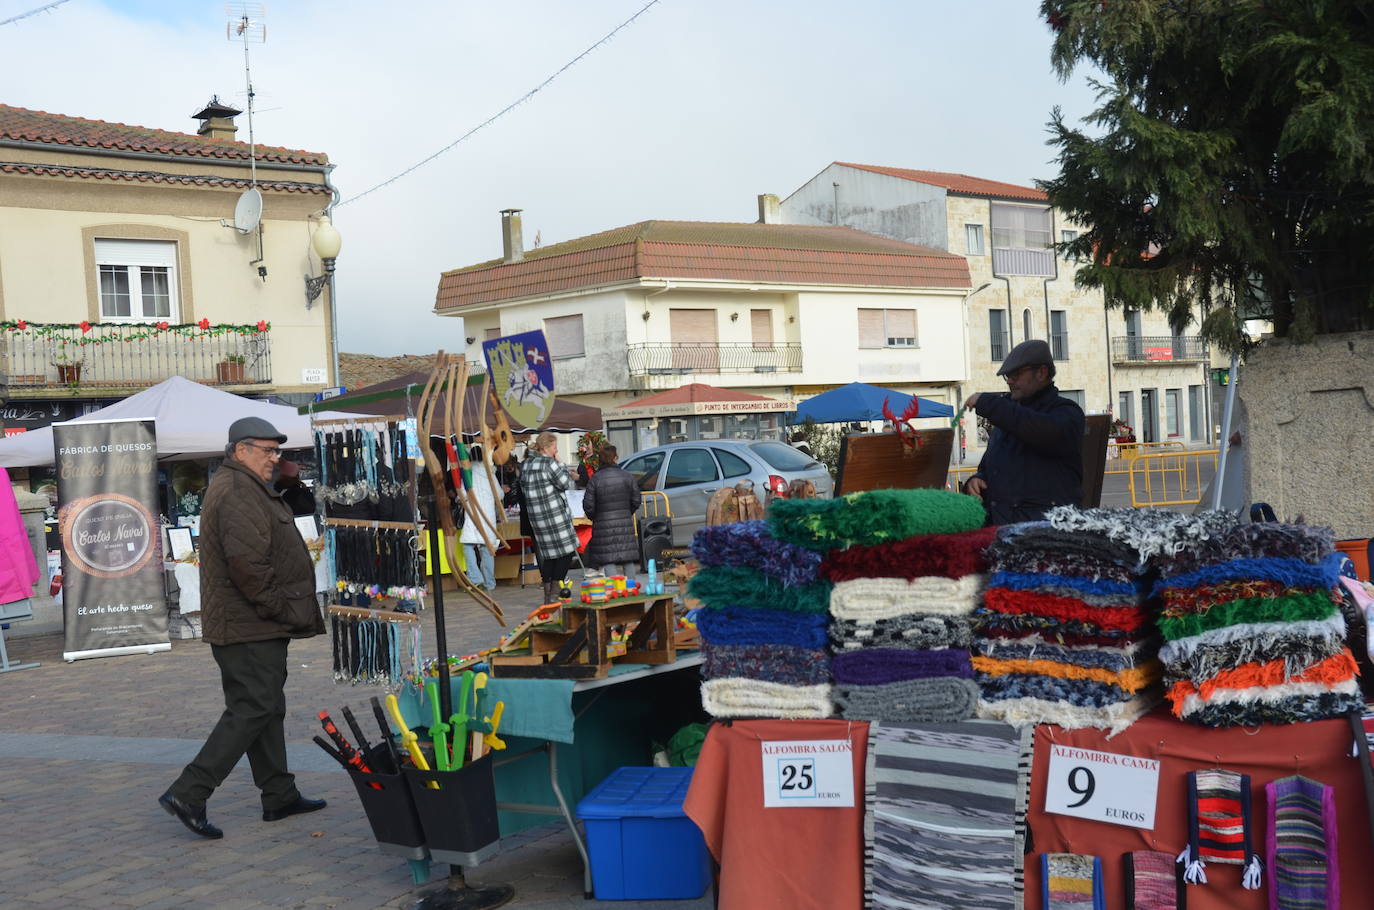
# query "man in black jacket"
(1034, 458)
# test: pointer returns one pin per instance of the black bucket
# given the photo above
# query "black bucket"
(390, 809)
(458, 818)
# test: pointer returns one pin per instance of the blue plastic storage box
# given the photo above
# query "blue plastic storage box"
(642, 846)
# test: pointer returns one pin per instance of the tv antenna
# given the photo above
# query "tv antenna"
(247, 23)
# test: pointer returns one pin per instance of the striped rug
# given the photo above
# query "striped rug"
(944, 810)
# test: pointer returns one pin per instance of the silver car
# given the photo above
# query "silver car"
(690, 472)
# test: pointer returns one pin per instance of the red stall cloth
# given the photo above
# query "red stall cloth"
(777, 859)
(1319, 750)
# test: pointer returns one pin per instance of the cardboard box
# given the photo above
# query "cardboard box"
(507, 566)
(530, 577)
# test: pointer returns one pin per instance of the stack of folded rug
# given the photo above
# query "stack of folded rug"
(1253, 630)
(900, 626)
(763, 624)
(1064, 636)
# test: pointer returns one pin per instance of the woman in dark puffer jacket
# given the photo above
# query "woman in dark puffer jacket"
(611, 500)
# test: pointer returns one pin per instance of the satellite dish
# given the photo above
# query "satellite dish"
(248, 211)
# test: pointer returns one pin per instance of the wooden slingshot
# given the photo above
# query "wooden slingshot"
(451, 373)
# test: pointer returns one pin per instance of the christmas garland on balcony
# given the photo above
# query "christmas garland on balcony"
(117, 332)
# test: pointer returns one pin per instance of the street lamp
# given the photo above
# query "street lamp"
(326, 243)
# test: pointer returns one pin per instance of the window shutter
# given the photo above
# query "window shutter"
(761, 329)
(901, 328)
(491, 333)
(136, 252)
(564, 336)
(872, 329)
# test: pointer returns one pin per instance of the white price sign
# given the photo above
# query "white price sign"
(808, 773)
(1102, 786)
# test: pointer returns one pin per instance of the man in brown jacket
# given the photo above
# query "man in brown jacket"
(257, 584)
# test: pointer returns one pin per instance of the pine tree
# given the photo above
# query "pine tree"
(1228, 167)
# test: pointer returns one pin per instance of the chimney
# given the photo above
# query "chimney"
(770, 210)
(512, 244)
(217, 120)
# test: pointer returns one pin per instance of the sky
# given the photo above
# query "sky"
(687, 114)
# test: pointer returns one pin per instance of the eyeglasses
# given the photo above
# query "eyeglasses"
(272, 451)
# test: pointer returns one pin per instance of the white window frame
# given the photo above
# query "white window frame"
(974, 241)
(133, 257)
(1068, 236)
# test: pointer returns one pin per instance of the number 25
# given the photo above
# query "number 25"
(797, 777)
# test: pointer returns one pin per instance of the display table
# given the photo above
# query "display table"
(1318, 750)
(564, 737)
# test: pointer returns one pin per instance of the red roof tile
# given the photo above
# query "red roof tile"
(100, 173)
(764, 253)
(23, 125)
(956, 183)
(694, 392)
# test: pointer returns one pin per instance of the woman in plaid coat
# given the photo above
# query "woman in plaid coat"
(544, 481)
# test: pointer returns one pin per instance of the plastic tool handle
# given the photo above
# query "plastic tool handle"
(364, 747)
(491, 739)
(459, 721)
(345, 748)
(409, 741)
(438, 730)
(387, 736)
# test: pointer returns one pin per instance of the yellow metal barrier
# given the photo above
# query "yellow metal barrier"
(1128, 452)
(1168, 478)
(957, 476)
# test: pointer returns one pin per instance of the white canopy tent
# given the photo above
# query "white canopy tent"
(192, 422)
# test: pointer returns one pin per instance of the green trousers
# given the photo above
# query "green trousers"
(253, 675)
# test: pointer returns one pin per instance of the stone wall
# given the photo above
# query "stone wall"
(1310, 443)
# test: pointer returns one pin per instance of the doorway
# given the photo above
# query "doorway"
(1149, 415)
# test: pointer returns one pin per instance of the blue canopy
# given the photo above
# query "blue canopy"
(859, 401)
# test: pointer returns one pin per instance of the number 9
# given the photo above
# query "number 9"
(1086, 790)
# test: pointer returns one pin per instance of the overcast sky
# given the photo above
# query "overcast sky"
(688, 114)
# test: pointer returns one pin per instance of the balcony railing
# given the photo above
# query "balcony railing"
(692, 357)
(1158, 349)
(119, 355)
(1022, 261)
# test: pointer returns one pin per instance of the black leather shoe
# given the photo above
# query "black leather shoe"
(192, 817)
(299, 807)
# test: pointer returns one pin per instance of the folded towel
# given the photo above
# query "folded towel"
(1113, 717)
(1055, 582)
(1290, 608)
(1291, 573)
(1041, 538)
(876, 666)
(1064, 609)
(737, 586)
(741, 697)
(1036, 647)
(752, 626)
(1292, 649)
(916, 701)
(1132, 679)
(916, 631)
(873, 517)
(749, 543)
(1252, 637)
(773, 663)
(1290, 703)
(1010, 559)
(947, 555)
(884, 598)
(1308, 543)
(1335, 669)
(1084, 693)
(1149, 532)
(992, 624)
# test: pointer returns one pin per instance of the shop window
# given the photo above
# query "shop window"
(137, 280)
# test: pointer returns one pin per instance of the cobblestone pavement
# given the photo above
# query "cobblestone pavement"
(87, 747)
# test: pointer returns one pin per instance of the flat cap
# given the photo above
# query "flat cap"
(1025, 354)
(253, 428)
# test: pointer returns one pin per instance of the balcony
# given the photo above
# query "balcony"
(1023, 261)
(132, 356)
(681, 358)
(1158, 349)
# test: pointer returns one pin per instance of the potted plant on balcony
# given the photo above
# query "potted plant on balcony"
(68, 365)
(231, 369)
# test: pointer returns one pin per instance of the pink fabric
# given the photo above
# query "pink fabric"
(18, 571)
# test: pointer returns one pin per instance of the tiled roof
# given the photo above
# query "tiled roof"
(21, 124)
(956, 183)
(693, 392)
(765, 253)
(101, 173)
(357, 371)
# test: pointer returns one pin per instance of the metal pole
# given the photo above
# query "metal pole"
(1225, 441)
(334, 331)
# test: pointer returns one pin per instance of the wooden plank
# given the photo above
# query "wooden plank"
(372, 613)
(356, 523)
(551, 671)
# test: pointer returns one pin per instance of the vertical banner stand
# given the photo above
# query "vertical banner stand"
(1225, 441)
(455, 894)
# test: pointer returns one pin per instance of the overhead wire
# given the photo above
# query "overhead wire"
(34, 12)
(508, 108)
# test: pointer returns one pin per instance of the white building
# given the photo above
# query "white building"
(1128, 362)
(785, 311)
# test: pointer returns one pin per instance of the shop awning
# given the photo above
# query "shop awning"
(192, 422)
(860, 401)
(402, 396)
(697, 398)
